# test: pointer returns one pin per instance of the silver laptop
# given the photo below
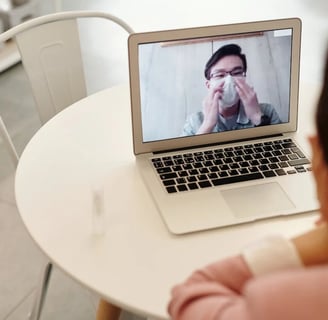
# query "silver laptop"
(214, 112)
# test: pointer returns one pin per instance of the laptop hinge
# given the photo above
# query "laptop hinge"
(220, 143)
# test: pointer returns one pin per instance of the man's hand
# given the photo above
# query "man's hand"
(211, 108)
(249, 98)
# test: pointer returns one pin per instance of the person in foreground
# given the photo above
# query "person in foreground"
(275, 278)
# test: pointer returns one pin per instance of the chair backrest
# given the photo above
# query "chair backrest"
(50, 50)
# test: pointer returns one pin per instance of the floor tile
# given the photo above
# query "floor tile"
(23, 309)
(20, 262)
(66, 299)
(7, 194)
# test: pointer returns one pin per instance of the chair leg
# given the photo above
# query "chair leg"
(8, 142)
(41, 292)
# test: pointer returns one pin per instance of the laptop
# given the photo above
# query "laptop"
(243, 169)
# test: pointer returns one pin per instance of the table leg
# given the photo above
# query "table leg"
(107, 311)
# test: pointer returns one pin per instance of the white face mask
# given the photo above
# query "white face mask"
(230, 96)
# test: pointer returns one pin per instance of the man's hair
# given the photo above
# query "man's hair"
(322, 114)
(227, 50)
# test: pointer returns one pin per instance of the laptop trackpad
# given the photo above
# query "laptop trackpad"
(258, 200)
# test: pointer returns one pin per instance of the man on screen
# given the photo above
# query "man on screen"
(230, 103)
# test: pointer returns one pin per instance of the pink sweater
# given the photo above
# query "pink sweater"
(229, 290)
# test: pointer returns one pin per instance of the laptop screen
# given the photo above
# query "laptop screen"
(215, 83)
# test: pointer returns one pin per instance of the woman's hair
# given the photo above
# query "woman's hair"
(227, 50)
(322, 114)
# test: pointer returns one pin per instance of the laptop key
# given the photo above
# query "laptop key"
(243, 171)
(298, 162)
(179, 161)
(257, 156)
(203, 170)
(199, 158)
(186, 166)
(234, 166)
(223, 174)
(267, 148)
(168, 183)
(227, 160)
(181, 180)
(212, 175)
(209, 157)
(171, 189)
(168, 163)
(168, 175)
(192, 179)
(244, 164)
(258, 149)
(240, 178)
(237, 159)
(239, 153)
(286, 151)
(274, 159)
(224, 167)
(263, 167)
(300, 169)
(217, 162)
(248, 157)
(208, 163)
(264, 161)
(214, 169)
(277, 153)
(269, 174)
(202, 177)
(192, 186)
(204, 184)
(277, 147)
(273, 166)
(164, 170)
(254, 163)
(183, 174)
(158, 164)
(293, 156)
(182, 187)
(298, 152)
(192, 172)
(283, 164)
(288, 145)
(280, 172)
(197, 165)
(233, 172)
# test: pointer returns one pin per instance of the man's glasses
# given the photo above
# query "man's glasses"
(236, 72)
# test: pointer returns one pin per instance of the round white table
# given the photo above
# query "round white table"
(136, 261)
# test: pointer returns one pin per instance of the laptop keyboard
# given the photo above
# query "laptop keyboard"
(220, 166)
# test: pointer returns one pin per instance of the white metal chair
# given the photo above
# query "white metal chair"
(51, 55)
